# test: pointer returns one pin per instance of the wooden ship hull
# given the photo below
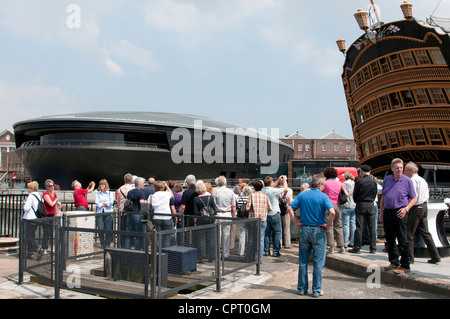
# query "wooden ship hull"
(396, 79)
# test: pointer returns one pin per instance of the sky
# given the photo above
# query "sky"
(263, 64)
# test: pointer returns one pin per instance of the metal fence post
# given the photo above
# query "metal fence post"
(217, 245)
(21, 251)
(58, 261)
(153, 263)
(258, 247)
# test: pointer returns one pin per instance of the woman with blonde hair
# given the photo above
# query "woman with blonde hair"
(29, 213)
(105, 207)
(348, 211)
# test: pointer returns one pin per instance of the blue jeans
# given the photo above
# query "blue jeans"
(104, 221)
(134, 224)
(263, 232)
(273, 223)
(315, 239)
(348, 225)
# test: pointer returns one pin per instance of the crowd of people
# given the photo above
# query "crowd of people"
(325, 221)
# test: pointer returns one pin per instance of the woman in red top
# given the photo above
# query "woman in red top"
(50, 200)
(51, 203)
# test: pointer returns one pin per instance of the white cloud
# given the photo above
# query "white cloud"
(129, 52)
(113, 67)
(21, 100)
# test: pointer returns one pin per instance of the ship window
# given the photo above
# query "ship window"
(419, 137)
(374, 143)
(384, 103)
(408, 58)
(422, 97)
(393, 139)
(435, 136)
(366, 148)
(396, 62)
(405, 138)
(366, 73)
(353, 84)
(359, 116)
(374, 106)
(367, 112)
(407, 98)
(437, 56)
(383, 141)
(447, 134)
(438, 96)
(422, 57)
(385, 65)
(395, 101)
(375, 68)
(359, 79)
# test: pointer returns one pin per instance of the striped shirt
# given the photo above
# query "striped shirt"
(260, 204)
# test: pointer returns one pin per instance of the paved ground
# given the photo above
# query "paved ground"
(345, 276)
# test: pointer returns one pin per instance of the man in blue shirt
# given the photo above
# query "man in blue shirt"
(397, 198)
(313, 225)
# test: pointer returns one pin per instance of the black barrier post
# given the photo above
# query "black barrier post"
(217, 245)
(258, 247)
(58, 261)
(153, 263)
(21, 251)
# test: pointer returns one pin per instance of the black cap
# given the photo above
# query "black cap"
(365, 168)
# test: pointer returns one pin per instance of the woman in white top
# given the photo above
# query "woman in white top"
(29, 213)
(163, 210)
(348, 211)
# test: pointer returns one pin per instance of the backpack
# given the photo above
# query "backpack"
(242, 211)
(207, 211)
(41, 212)
(283, 203)
(128, 204)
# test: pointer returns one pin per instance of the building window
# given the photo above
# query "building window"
(437, 56)
(306, 147)
(336, 147)
(419, 137)
(437, 96)
(422, 57)
(348, 147)
(300, 147)
(422, 97)
(435, 136)
(405, 138)
(408, 58)
(324, 147)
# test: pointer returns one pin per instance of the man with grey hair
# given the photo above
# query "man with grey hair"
(134, 224)
(417, 216)
(313, 225)
(187, 201)
(226, 208)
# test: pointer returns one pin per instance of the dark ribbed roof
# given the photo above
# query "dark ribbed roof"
(140, 117)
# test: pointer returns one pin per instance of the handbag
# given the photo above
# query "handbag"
(243, 212)
(342, 197)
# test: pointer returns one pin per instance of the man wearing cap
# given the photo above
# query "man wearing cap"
(364, 195)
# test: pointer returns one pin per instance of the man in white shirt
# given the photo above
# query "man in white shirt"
(226, 207)
(417, 216)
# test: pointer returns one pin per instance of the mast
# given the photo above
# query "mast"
(375, 10)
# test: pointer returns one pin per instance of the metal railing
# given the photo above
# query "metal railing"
(148, 264)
